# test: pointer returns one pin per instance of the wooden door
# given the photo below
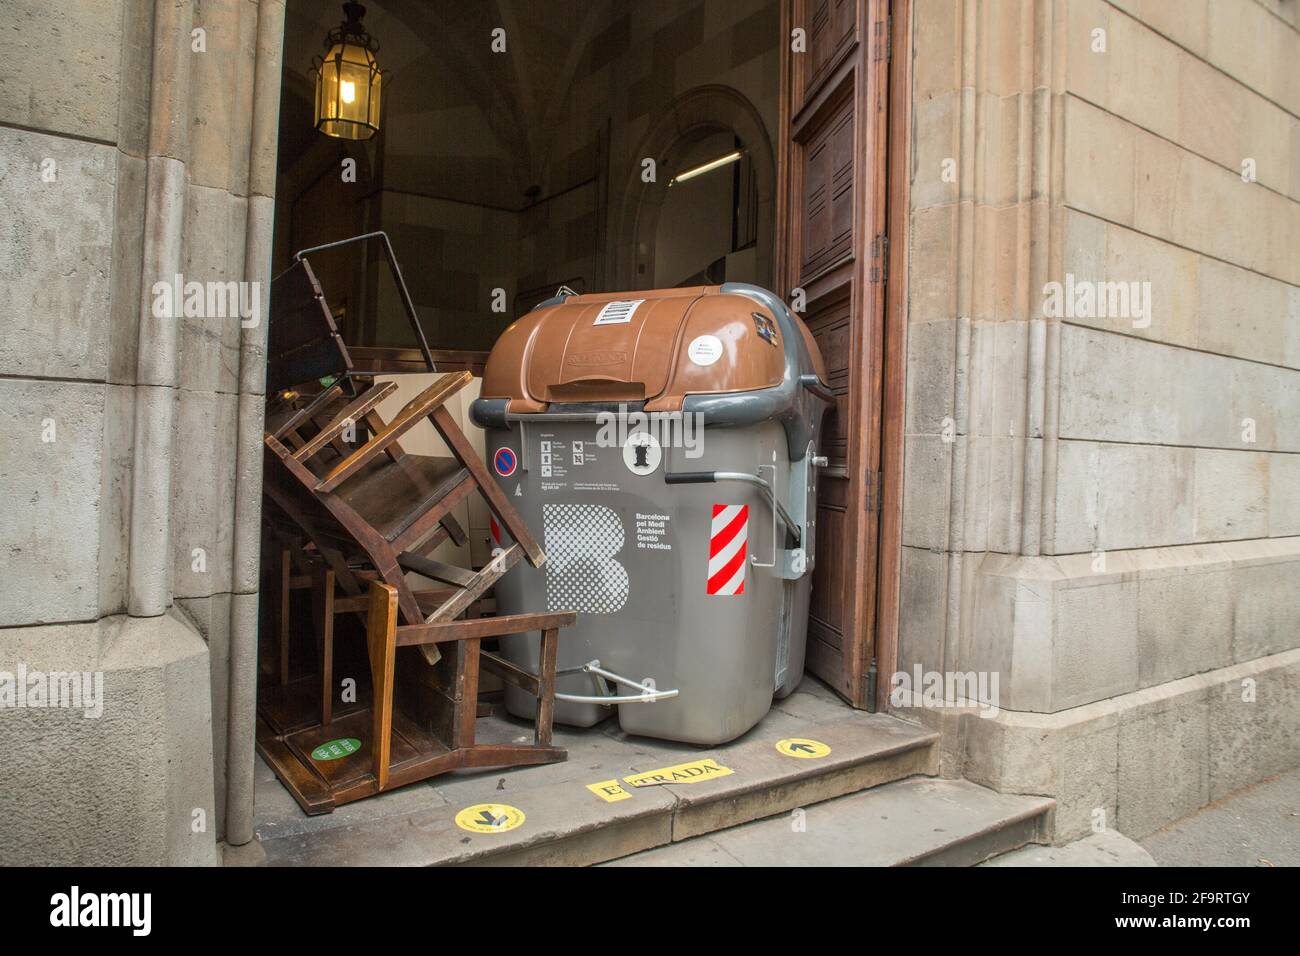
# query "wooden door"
(831, 245)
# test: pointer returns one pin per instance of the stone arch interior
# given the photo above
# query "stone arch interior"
(704, 226)
(502, 174)
(699, 227)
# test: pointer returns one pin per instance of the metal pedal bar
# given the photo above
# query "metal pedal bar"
(647, 696)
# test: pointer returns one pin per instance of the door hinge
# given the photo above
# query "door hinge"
(884, 39)
(880, 258)
(872, 497)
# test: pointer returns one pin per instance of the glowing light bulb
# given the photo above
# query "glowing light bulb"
(347, 91)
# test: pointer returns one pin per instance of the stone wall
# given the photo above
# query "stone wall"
(1103, 509)
(136, 142)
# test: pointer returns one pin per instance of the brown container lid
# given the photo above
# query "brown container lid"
(655, 346)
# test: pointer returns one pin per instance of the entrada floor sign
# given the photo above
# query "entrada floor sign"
(693, 772)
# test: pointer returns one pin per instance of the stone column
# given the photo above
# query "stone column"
(252, 388)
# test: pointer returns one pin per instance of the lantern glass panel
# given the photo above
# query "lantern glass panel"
(347, 93)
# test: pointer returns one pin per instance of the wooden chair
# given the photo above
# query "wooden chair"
(396, 749)
(370, 514)
(312, 382)
(352, 512)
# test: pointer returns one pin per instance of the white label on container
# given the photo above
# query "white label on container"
(642, 453)
(616, 313)
(704, 350)
(652, 532)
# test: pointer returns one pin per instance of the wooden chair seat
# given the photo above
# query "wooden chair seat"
(391, 496)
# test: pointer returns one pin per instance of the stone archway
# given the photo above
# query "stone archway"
(694, 115)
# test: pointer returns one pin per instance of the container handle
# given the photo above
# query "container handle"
(703, 477)
(810, 381)
(593, 668)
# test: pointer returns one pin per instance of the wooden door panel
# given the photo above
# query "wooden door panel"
(832, 30)
(832, 329)
(830, 220)
(827, 174)
(831, 611)
(828, 612)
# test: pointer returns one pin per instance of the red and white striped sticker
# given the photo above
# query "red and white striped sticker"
(728, 549)
(495, 528)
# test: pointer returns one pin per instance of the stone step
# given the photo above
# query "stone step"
(1109, 848)
(567, 824)
(914, 822)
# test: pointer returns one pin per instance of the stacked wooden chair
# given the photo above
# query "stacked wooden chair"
(349, 512)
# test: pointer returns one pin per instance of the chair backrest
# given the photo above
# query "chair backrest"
(341, 535)
(302, 483)
(303, 341)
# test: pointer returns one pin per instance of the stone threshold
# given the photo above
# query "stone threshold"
(566, 823)
(914, 822)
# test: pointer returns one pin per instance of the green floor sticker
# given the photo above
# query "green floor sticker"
(334, 749)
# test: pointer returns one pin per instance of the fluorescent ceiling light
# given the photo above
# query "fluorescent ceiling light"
(705, 167)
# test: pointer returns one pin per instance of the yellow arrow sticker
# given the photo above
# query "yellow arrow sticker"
(802, 747)
(609, 791)
(489, 818)
(692, 772)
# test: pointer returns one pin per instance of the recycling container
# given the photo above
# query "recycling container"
(664, 444)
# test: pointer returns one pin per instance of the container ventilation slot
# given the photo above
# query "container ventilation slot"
(783, 635)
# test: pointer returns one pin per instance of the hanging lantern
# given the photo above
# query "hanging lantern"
(347, 80)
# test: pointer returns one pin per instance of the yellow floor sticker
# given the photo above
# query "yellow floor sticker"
(609, 791)
(693, 772)
(489, 818)
(802, 747)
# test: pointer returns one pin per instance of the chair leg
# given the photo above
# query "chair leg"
(381, 638)
(323, 597)
(467, 707)
(487, 486)
(546, 687)
(286, 573)
(458, 603)
(376, 425)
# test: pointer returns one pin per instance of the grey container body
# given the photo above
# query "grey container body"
(630, 553)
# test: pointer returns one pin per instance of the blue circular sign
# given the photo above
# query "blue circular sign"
(504, 462)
